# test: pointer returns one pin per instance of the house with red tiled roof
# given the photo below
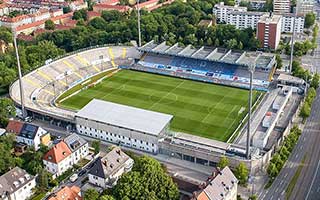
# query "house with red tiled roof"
(223, 185)
(92, 14)
(58, 159)
(14, 126)
(102, 6)
(67, 193)
(65, 154)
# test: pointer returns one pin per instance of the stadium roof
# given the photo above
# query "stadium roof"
(125, 116)
(241, 58)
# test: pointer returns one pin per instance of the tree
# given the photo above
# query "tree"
(224, 161)
(309, 20)
(253, 197)
(91, 194)
(279, 61)
(66, 9)
(8, 75)
(315, 81)
(80, 14)
(106, 197)
(305, 111)
(147, 180)
(272, 170)
(242, 172)
(43, 180)
(7, 160)
(49, 25)
(96, 145)
(7, 109)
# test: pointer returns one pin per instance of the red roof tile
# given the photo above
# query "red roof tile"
(67, 193)
(14, 126)
(57, 153)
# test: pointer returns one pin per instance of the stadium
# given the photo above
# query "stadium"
(150, 94)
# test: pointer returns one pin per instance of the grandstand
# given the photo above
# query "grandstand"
(216, 65)
(43, 85)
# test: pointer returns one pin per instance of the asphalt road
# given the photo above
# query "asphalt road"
(308, 147)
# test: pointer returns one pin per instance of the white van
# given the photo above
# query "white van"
(73, 178)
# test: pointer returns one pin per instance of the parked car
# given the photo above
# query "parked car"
(82, 172)
(73, 178)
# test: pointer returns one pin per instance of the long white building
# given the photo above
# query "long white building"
(124, 125)
(242, 19)
(288, 23)
(222, 11)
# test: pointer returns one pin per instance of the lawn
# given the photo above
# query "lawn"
(203, 109)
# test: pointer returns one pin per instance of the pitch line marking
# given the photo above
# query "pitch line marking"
(167, 94)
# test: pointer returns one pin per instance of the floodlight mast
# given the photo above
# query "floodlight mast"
(139, 28)
(19, 72)
(251, 70)
(292, 39)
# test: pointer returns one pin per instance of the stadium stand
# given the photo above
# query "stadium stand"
(43, 85)
(217, 65)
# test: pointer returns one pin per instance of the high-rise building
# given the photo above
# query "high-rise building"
(305, 6)
(269, 30)
(281, 6)
(288, 23)
(222, 11)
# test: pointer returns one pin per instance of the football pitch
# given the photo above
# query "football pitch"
(202, 109)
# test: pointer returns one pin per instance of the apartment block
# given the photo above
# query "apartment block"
(269, 31)
(281, 6)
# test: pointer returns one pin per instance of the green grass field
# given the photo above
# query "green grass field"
(203, 109)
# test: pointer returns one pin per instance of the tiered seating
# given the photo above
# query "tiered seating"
(44, 84)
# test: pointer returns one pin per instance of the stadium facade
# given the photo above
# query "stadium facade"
(43, 86)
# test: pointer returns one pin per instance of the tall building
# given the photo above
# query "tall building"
(244, 20)
(288, 22)
(305, 6)
(281, 6)
(269, 31)
(222, 11)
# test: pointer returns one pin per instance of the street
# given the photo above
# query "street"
(308, 148)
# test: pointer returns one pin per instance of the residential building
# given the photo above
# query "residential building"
(305, 6)
(223, 185)
(107, 170)
(58, 159)
(65, 154)
(16, 184)
(14, 126)
(281, 6)
(67, 193)
(288, 23)
(249, 19)
(256, 4)
(78, 146)
(102, 6)
(222, 11)
(31, 135)
(124, 125)
(269, 31)
(244, 20)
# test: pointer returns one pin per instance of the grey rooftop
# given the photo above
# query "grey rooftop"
(128, 117)
(221, 55)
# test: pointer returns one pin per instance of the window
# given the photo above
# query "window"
(147, 143)
(141, 142)
(152, 144)
(90, 129)
(122, 137)
(135, 140)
